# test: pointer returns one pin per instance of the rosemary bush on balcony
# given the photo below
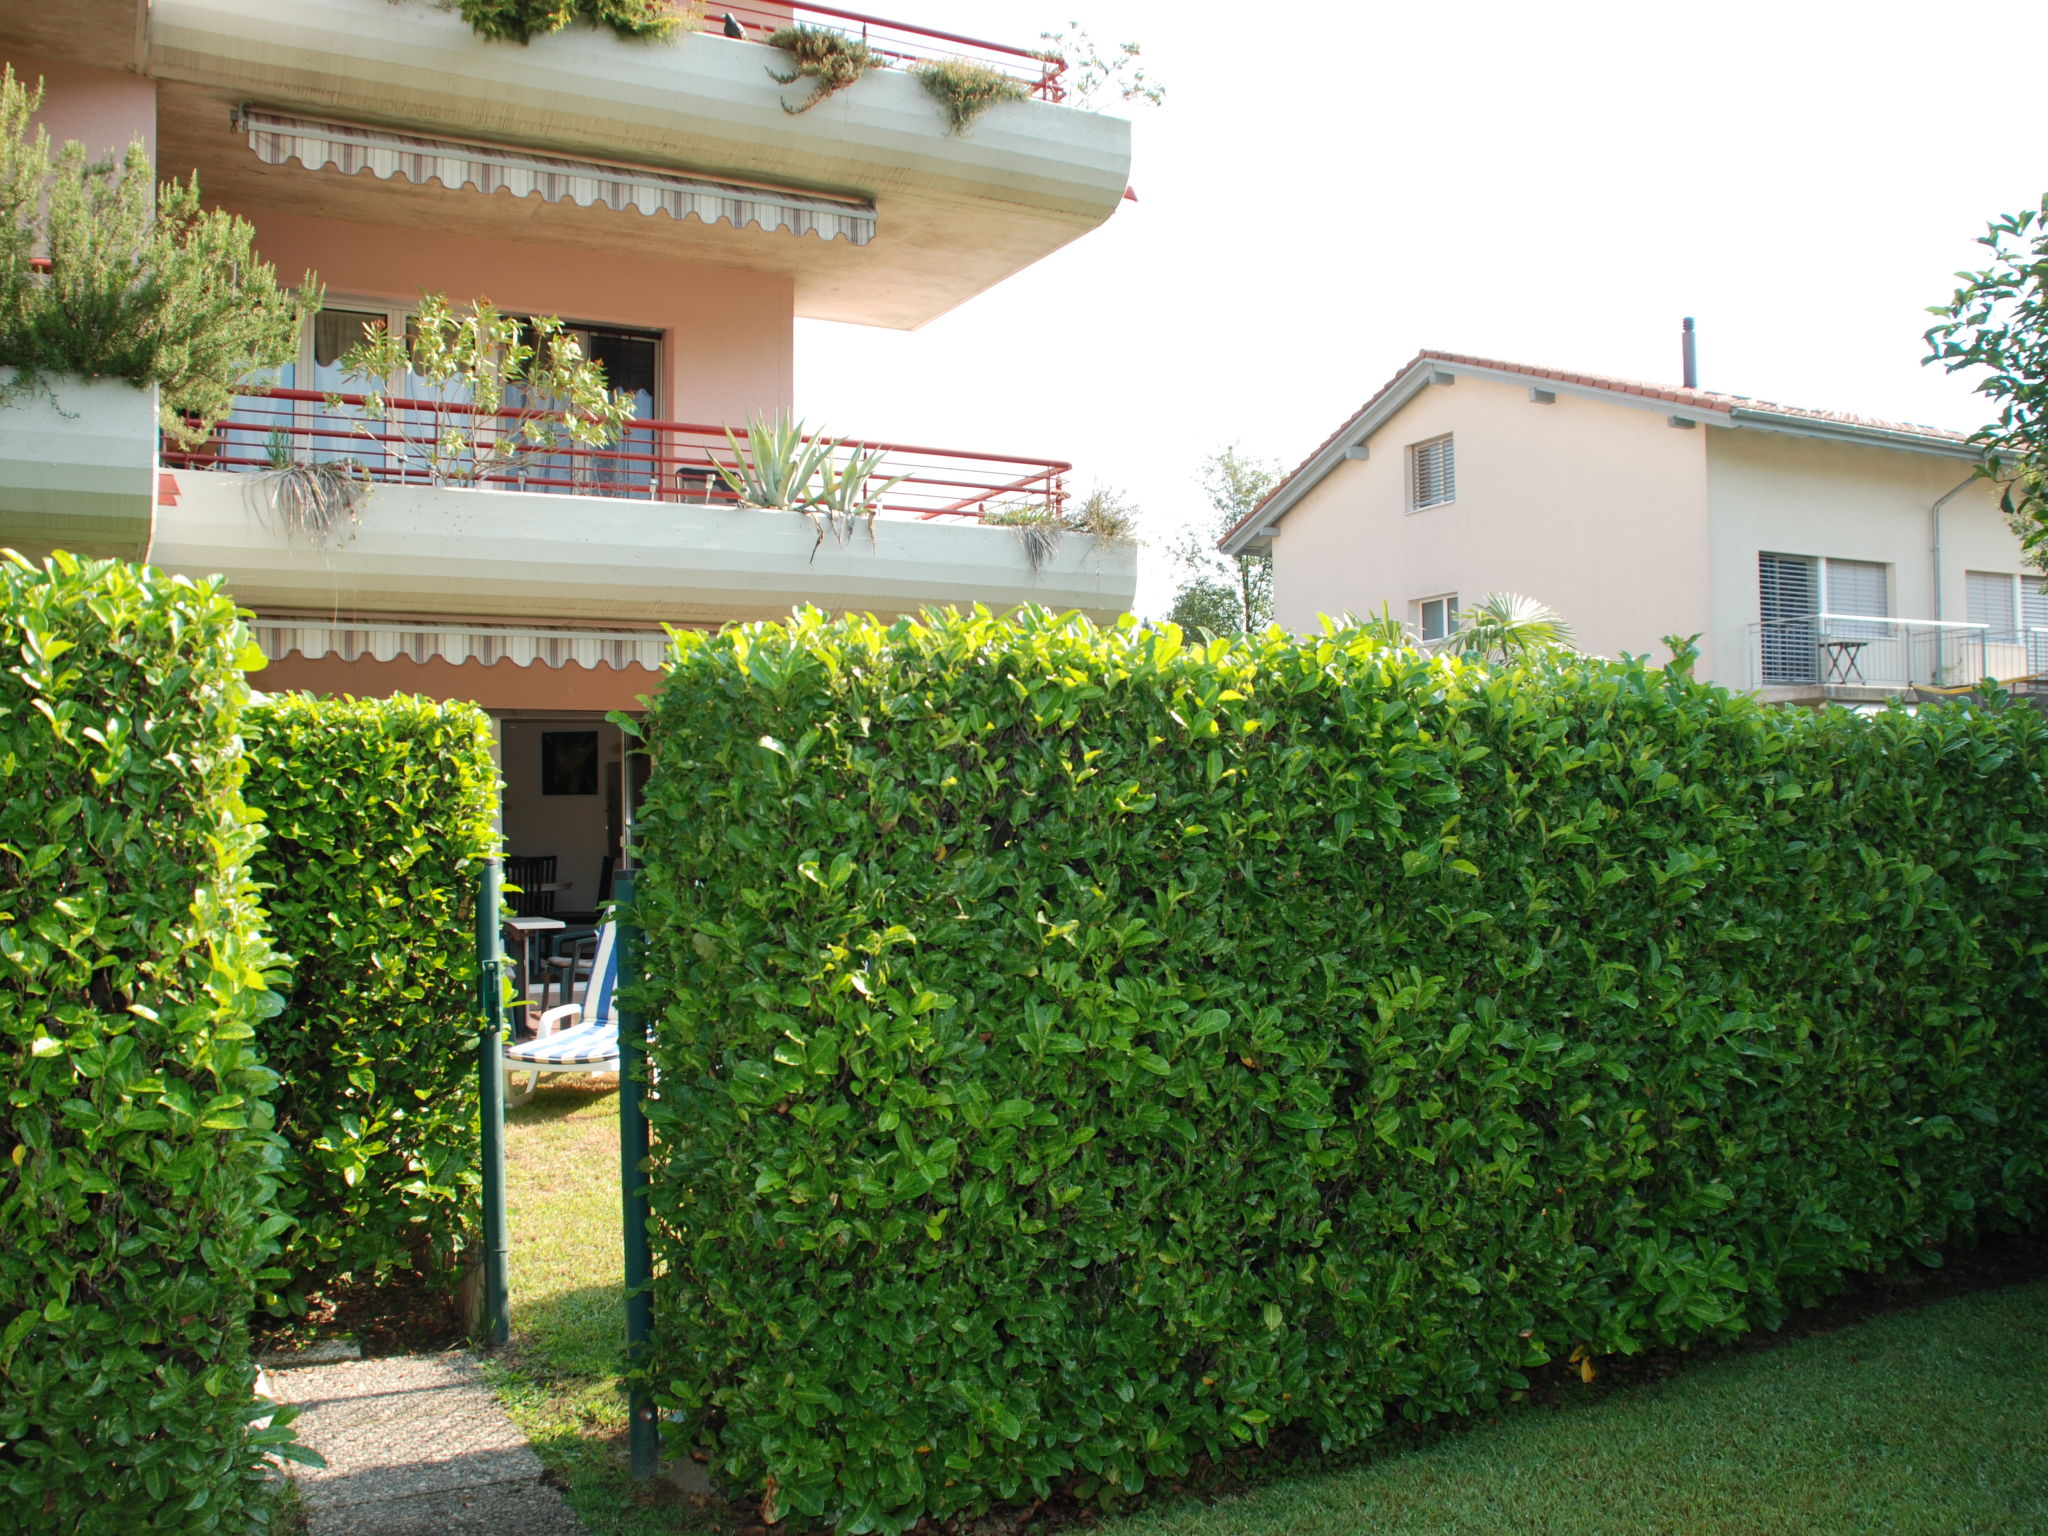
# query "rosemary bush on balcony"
(141, 283)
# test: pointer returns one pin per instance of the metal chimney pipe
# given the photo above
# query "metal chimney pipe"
(1692, 356)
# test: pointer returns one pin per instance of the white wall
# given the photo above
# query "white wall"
(1800, 496)
(1596, 508)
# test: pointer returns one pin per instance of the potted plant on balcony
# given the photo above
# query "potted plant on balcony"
(831, 58)
(310, 499)
(486, 397)
(782, 468)
(1043, 522)
(520, 21)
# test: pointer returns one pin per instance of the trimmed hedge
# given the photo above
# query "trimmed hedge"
(137, 1168)
(1082, 1050)
(380, 814)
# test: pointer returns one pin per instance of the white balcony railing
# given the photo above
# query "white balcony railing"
(1844, 650)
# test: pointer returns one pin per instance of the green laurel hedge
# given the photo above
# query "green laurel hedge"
(1082, 1050)
(379, 816)
(137, 1168)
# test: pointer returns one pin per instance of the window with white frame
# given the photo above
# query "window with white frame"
(1436, 618)
(268, 428)
(1807, 603)
(1432, 474)
(2005, 602)
(1991, 598)
(1856, 588)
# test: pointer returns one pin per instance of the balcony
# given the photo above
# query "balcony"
(1854, 658)
(674, 461)
(643, 531)
(942, 216)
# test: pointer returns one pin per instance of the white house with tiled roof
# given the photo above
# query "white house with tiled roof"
(1813, 552)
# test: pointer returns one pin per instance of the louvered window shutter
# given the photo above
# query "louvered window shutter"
(1987, 597)
(1433, 469)
(2034, 602)
(1789, 598)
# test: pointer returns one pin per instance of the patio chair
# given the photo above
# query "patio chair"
(576, 1037)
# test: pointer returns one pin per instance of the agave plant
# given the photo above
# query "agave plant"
(778, 467)
(847, 494)
(1505, 626)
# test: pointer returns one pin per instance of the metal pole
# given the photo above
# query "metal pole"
(490, 1067)
(643, 1434)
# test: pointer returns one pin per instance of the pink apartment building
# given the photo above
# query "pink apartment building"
(660, 199)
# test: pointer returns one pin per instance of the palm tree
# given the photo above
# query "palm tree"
(1505, 626)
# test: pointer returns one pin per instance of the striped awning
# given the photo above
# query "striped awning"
(278, 638)
(351, 148)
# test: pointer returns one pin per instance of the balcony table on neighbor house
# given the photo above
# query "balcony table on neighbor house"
(521, 931)
(1842, 660)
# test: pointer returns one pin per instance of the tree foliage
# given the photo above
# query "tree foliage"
(1091, 76)
(1082, 1051)
(1224, 594)
(1998, 321)
(142, 282)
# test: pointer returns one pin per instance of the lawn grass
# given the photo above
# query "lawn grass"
(1928, 1421)
(559, 1377)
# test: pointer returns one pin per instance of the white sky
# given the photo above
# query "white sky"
(1332, 185)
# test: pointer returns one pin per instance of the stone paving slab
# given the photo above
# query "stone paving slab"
(415, 1443)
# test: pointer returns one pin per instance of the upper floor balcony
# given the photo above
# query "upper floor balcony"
(395, 113)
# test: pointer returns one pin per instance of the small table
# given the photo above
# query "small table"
(522, 930)
(1843, 660)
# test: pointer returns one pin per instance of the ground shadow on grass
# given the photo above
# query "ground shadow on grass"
(573, 1333)
(557, 1099)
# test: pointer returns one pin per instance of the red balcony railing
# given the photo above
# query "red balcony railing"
(903, 45)
(668, 461)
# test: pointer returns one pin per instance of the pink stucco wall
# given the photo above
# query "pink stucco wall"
(727, 334)
(104, 109)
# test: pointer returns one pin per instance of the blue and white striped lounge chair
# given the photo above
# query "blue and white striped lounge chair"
(576, 1037)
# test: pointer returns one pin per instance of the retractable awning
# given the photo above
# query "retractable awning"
(485, 644)
(352, 148)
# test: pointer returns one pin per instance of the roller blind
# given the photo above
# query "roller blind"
(2034, 602)
(1858, 587)
(1987, 598)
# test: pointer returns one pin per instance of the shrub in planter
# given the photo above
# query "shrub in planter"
(1081, 1051)
(137, 1167)
(142, 282)
(379, 816)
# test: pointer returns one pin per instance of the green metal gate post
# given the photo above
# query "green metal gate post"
(490, 1068)
(643, 1433)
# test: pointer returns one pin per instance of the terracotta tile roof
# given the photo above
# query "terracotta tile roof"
(1675, 394)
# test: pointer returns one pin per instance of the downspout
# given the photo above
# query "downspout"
(1941, 502)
